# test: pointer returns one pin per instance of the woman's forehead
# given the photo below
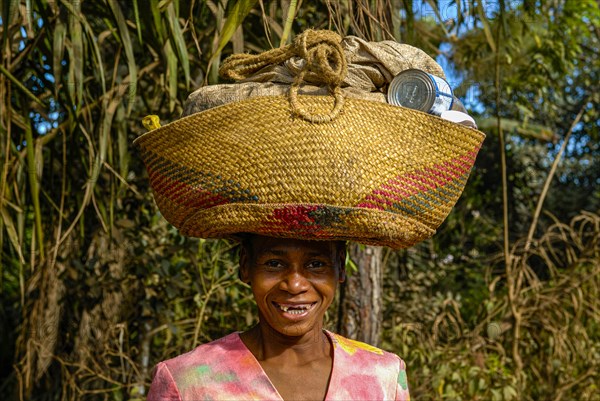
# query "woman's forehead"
(261, 244)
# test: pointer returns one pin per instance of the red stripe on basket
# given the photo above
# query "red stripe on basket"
(307, 219)
(174, 190)
(167, 186)
(377, 199)
(443, 175)
(406, 186)
(158, 179)
(388, 194)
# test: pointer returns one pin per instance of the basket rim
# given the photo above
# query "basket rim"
(303, 98)
(263, 212)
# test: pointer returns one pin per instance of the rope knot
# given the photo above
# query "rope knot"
(324, 57)
(324, 64)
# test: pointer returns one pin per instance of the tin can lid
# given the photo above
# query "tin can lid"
(413, 89)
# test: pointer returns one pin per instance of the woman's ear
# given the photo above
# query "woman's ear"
(244, 272)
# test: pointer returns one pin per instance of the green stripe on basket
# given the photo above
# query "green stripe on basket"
(174, 181)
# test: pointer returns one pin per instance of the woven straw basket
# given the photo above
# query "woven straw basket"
(377, 174)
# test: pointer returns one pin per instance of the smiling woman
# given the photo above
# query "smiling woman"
(288, 355)
(302, 156)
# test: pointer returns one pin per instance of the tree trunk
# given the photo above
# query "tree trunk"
(360, 309)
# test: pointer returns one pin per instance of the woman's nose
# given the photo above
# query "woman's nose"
(295, 282)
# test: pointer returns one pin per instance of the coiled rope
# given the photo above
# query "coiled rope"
(325, 64)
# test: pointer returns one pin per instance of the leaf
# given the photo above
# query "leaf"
(288, 23)
(19, 85)
(164, 4)
(34, 188)
(127, 45)
(172, 74)
(486, 26)
(138, 23)
(93, 41)
(76, 54)
(177, 37)
(29, 12)
(58, 55)
(13, 8)
(158, 25)
(236, 16)
(122, 141)
(509, 393)
(12, 233)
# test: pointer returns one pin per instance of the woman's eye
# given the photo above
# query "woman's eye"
(316, 264)
(274, 264)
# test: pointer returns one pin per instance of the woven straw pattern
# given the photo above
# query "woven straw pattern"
(376, 174)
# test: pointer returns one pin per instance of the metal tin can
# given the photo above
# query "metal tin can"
(419, 90)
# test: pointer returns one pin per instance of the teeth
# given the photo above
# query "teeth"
(296, 310)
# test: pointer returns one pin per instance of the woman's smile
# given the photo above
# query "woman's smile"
(294, 311)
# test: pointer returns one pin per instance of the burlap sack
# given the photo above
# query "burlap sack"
(371, 67)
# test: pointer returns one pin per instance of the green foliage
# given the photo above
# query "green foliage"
(96, 286)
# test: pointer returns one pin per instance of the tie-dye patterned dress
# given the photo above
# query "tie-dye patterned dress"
(226, 370)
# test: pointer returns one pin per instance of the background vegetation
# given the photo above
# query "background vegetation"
(95, 287)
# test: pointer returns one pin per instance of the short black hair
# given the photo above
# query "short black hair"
(246, 243)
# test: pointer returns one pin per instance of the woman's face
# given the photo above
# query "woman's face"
(293, 281)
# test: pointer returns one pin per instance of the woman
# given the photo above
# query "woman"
(288, 355)
(304, 154)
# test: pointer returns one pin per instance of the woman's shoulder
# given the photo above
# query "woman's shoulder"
(362, 371)
(363, 351)
(208, 353)
(210, 371)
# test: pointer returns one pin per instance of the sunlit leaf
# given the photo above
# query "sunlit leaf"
(289, 19)
(235, 17)
(171, 74)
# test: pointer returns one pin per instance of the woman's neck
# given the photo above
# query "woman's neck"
(268, 344)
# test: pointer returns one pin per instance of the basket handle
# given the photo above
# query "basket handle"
(324, 63)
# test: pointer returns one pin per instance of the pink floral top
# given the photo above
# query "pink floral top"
(226, 370)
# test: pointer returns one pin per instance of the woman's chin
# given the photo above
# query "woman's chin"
(296, 329)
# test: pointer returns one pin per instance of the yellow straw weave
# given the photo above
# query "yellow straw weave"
(376, 173)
